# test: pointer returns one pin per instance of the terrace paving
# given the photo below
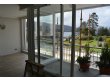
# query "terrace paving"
(13, 66)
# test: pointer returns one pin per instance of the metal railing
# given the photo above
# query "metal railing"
(95, 53)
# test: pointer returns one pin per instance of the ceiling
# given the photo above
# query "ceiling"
(13, 11)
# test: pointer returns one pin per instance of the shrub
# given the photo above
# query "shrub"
(108, 41)
(96, 38)
(99, 44)
(100, 39)
(105, 44)
(104, 58)
(86, 37)
(84, 59)
(107, 36)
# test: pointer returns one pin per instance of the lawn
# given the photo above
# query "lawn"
(93, 44)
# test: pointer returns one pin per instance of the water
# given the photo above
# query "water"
(48, 47)
(67, 34)
(45, 47)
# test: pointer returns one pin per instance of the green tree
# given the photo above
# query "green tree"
(103, 31)
(93, 22)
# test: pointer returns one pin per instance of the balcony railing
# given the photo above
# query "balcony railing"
(95, 53)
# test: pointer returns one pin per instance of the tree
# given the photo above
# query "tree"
(84, 24)
(77, 29)
(93, 22)
(84, 28)
(85, 31)
(103, 31)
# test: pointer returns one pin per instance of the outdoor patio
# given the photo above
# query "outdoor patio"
(54, 68)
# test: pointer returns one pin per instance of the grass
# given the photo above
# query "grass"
(93, 43)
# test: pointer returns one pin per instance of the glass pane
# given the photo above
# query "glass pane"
(67, 42)
(35, 36)
(47, 39)
(46, 36)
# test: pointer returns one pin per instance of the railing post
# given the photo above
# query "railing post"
(80, 33)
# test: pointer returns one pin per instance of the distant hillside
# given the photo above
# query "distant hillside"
(47, 25)
(66, 28)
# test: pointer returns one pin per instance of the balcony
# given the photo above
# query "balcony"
(52, 64)
(49, 40)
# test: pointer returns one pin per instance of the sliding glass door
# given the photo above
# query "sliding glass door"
(52, 38)
(46, 36)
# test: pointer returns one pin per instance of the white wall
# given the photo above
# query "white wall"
(11, 11)
(10, 36)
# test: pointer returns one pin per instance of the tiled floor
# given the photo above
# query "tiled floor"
(54, 68)
(13, 66)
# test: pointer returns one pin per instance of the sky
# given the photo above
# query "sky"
(102, 12)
